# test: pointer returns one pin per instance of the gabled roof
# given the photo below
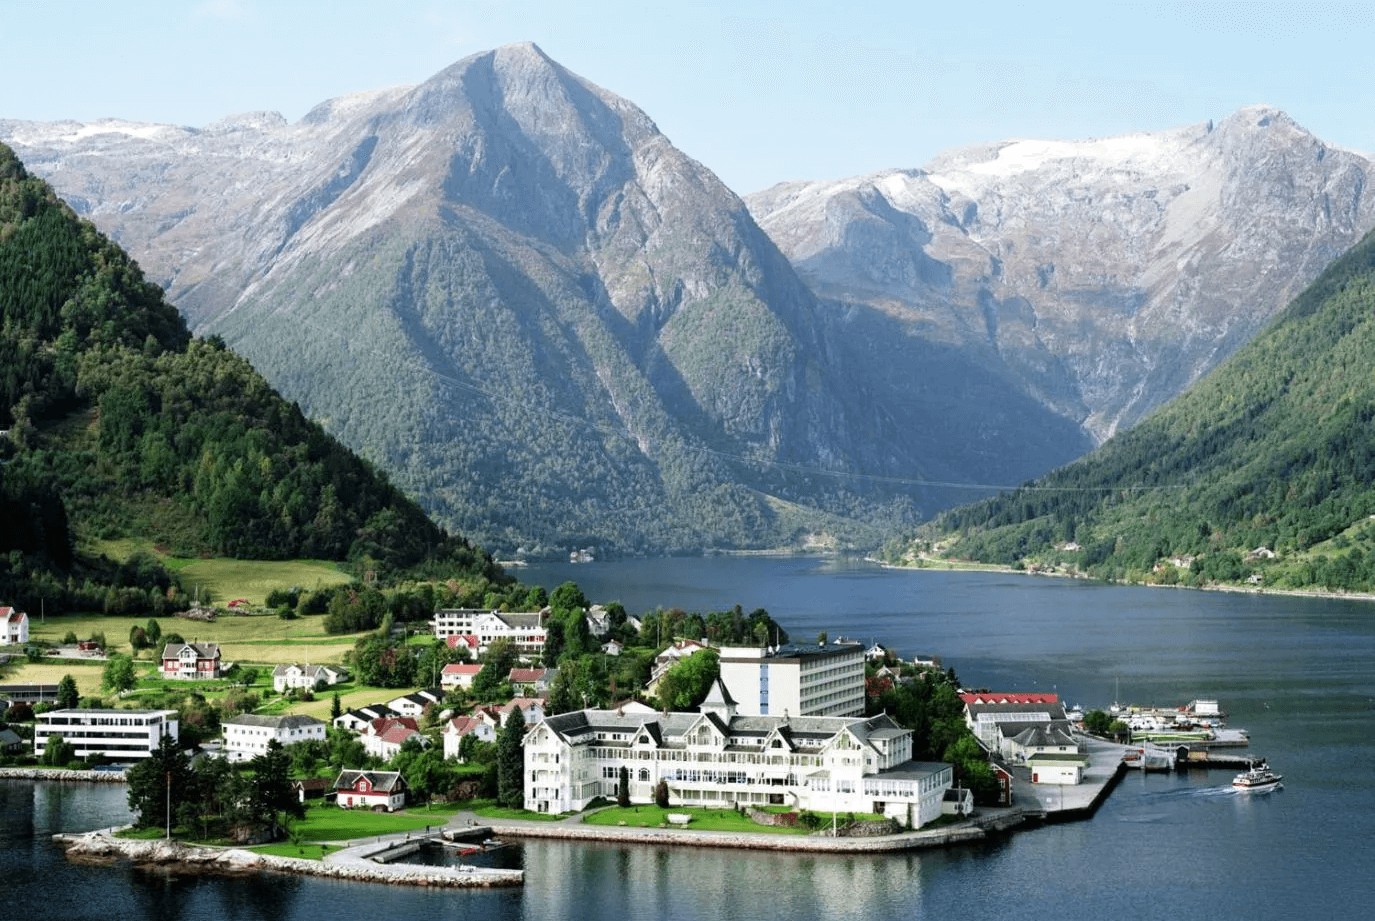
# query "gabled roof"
(397, 734)
(380, 781)
(1038, 736)
(382, 725)
(13, 616)
(985, 697)
(202, 650)
(462, 668)
(525, 675)
(463, 725)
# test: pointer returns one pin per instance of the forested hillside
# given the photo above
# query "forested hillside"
(1263, 473)
(119, 424)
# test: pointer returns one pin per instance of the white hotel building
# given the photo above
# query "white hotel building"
(525, 630)
(121, 735)
(796, 680)
(719, 759)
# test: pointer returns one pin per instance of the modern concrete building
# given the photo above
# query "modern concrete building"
(121, 735)
(795, 680)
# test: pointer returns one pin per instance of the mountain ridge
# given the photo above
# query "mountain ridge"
(506, 288)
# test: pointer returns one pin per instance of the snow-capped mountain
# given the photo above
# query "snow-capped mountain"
(1103, 276)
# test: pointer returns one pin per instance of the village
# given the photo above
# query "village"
(781, 729)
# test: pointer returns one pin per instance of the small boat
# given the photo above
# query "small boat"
(1257, 779)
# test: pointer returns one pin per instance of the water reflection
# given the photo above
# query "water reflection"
(663, 882)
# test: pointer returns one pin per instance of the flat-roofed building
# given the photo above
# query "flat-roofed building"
(121, 735)
(825, 679)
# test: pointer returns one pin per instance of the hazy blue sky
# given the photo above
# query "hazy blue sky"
(758, 91)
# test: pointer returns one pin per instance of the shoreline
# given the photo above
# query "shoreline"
(933, 564)
(100, 847)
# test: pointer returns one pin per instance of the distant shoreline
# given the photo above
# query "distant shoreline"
(935, 565)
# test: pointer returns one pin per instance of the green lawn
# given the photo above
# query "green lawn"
(489, 810)
(703, 819)
(303, 850)
(327, 822)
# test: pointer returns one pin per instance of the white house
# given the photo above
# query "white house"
(246, 735)
(825, 679)
(357, 720)
(718, 758)
(384, 737)
(309, 677)
(460, 726)
(459, 675)
(118, 734)
(531, 709)
(414, 704)
(15, 626)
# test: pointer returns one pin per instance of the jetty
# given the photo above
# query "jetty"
(376, 861)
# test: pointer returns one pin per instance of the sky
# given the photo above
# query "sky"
(759, 92)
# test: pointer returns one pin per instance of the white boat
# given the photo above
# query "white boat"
(1258, 779)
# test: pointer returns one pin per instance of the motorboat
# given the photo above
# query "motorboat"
(1256, 779)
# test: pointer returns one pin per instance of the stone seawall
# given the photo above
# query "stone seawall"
(11, 773)
(904, 841)
(171, 855)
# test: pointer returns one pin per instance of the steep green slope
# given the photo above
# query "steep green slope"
(1272, 454)
(119, 424)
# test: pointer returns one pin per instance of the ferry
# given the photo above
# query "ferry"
(1258, 779)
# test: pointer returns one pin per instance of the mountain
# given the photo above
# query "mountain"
(117, 424)
(509, 290)
(1098, 278)
(1264, 472)
(506, 288)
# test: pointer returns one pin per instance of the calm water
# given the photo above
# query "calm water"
(1296, 672)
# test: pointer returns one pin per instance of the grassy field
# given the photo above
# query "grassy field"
(86, 676)
(254, 580)
(226, 580)
(253, 639)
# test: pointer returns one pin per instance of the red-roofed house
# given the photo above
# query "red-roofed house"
(466, 641)
(523, 680)
(15, 626)
(460, 726)
(459, 675)
(370, 790)
(193, 661)
(384, 737)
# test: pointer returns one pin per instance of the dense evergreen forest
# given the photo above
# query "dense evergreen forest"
(119, 424)
(1263, 473)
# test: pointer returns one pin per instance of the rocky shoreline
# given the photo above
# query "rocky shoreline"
(62, 775)
(173, 856)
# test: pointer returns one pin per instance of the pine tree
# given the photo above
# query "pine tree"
(161, 780)
(511, 761)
